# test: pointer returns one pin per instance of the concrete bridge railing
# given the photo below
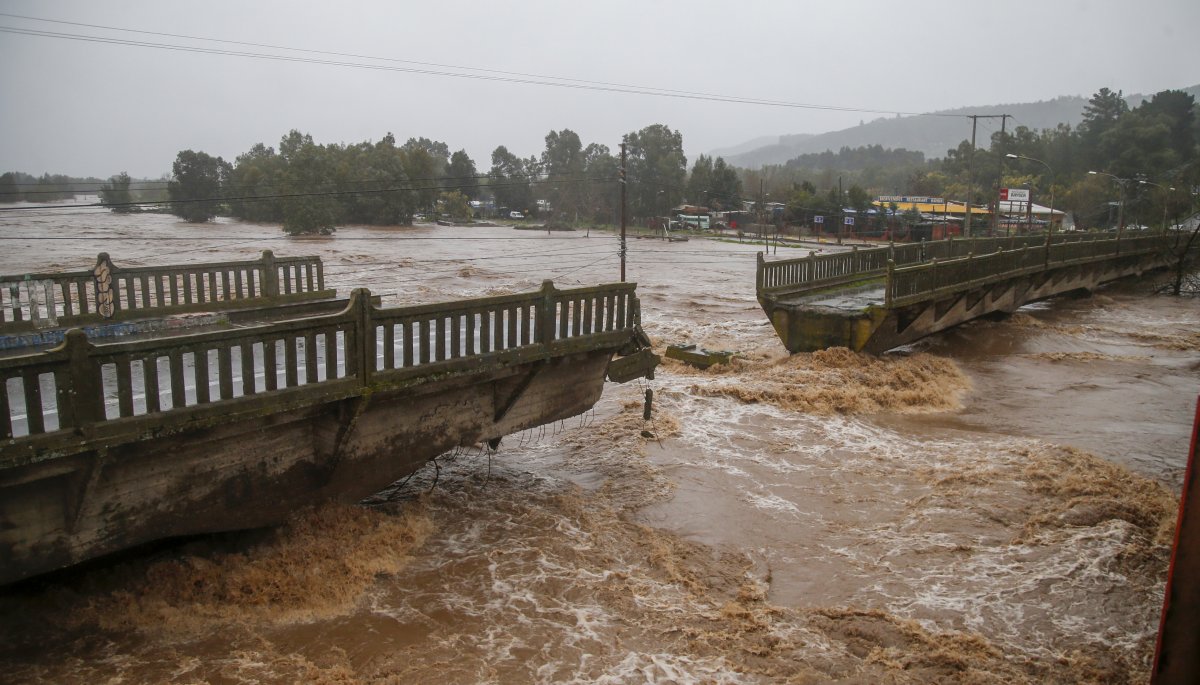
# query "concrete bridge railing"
(55, 401)
(839, 268)
(919, 282)
(108, 292)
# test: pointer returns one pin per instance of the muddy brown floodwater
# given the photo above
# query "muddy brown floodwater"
(991, 505)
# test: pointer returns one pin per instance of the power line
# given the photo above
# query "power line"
(498, 76)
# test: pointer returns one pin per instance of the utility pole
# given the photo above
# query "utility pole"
(999, 176)
(622, 181)
(841, 211)
(762, 208)
(970, 177)
(970, 159)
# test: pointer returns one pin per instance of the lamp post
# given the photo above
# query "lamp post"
(1050, 172)
(1120, 204)
(1165, 190)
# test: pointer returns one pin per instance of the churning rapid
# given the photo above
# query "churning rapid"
(992, 505)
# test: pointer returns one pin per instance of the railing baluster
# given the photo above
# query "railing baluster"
(200, 367)
(310, 357)
(407, 343)
(150, 383)
(331, 346)
(33, 401)
(471, 332)
(124, 385)
(441, 337)
(389, 346)
(178, 387)
(247, 356)
(291, 370)
(6, 430)
(270, 364)
(225, 372)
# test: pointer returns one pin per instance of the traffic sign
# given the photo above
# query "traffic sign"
(818, 219)
(849, 221)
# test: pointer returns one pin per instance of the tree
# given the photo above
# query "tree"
(699, 183)
(376, 170)
(1100, 116)
(308, 183)
(655, 163)
(725, 190)
(456, 205)
(600, 192)
(196, 185)
(509, 179)
(423, 169)
(115, 194)
(563, 164)
(461, 175)
(256, 173)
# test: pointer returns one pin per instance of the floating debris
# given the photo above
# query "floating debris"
(699, 357)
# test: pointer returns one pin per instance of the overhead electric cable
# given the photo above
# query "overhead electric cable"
(484, 75)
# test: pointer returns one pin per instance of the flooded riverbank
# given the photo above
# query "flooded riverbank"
(991, 505)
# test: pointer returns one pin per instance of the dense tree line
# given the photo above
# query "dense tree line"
(311, 188)
(17, 186)
(1157, 142)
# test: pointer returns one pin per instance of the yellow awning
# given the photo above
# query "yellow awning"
(929, 208)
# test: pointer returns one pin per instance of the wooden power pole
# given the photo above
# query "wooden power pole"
(622, 181)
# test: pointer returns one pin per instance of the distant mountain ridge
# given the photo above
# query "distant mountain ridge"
(932, 135)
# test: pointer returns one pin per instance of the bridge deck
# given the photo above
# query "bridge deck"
(852, 298)
(107, 445)
(880, 298)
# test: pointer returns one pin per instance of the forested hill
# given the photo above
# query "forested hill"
(931, 135)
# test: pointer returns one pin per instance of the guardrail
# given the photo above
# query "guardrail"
(108, 292)
(915, 283)
(838, 268)
(53, 399)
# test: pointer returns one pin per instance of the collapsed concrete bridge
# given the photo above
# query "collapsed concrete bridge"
(879, 298)
(107, 445)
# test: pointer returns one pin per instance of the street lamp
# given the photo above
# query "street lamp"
(1121, 204)
(1165, 191)
(1050, 172)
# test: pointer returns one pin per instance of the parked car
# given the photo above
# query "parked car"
(516, 215)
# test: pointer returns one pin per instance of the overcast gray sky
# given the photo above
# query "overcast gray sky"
(89, 108)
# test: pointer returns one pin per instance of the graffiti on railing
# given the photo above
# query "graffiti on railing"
(104, 286)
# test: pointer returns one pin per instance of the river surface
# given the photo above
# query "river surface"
(992, 504)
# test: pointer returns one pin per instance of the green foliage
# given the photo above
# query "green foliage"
(848, 159)
(462, 175)
(656, 169)
(714, 184)
(601, 195)
(563, 165)
(257, 173)
(1156, 141)
(16, 186)
(510, 180)
(456, 205)
(115, 194)
(196, 185)
(308, 182)
(858, 198)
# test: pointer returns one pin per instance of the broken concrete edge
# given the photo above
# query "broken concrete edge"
(699, 358)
